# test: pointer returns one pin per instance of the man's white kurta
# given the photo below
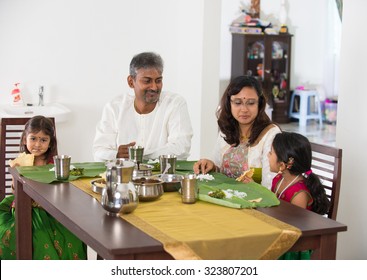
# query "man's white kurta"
(166, 130)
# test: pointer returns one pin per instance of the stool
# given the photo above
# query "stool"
(305, 113)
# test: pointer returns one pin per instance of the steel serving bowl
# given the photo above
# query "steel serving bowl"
(145, 170)
(149, 189)
(171, 182)
(98, 185)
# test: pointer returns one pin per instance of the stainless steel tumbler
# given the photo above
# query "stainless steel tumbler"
(189, 189)
(62, 167)
(170, 161)
(136, 153)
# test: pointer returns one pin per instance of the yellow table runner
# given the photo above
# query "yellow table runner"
(207, 231)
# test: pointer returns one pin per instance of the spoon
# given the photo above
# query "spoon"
(168, 166)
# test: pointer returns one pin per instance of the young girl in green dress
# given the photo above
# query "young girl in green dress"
(51, 240)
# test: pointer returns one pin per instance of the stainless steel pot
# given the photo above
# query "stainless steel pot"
(142, 170)
(171, 182)
(149, 189)
(120, 195)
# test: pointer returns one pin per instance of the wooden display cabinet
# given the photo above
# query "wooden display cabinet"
(266, 57)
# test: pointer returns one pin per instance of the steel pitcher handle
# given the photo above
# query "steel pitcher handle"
(111, 176)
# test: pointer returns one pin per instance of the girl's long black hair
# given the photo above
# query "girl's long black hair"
(288, 145)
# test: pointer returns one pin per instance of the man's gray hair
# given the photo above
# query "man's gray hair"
(146, 60)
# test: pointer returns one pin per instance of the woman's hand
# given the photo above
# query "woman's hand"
(246, 176)
(246, 180)
(204, 166)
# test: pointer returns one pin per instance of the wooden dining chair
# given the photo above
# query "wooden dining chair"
(327, 164)
(10, 132)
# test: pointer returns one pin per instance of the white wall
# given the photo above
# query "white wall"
(352, 134)
(80, 51)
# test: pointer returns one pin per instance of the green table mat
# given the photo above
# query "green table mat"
(44, 175)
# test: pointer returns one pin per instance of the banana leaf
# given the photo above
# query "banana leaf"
(183, 165)
(44, 175)
(253, 190)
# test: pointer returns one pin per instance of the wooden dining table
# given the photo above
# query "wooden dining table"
(116, 239)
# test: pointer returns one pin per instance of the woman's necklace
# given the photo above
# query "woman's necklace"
(244, 139)
(245, 136)
(290, 184)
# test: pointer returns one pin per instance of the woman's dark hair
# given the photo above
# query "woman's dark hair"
(35, 125)
(228, 125)
(288, 145)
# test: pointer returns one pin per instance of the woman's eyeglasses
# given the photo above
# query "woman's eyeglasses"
(249, 103)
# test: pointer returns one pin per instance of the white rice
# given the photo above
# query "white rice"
(207, 177)
(230, 193)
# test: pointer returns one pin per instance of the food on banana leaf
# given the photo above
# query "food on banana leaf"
(155, 163)
(256, 200)
(217, 194)
(207, 177)
(234, 193)
(247, 173)
(77, 171)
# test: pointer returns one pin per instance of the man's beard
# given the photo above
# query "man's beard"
(152, 96)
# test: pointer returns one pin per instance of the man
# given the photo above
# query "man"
(158, 121)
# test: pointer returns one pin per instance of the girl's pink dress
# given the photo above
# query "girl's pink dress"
(290, 193)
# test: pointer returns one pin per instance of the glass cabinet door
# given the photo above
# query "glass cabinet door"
(255, 59)
(267, 58)
(279, 71)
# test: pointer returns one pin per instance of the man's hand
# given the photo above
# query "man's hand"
(123, 151)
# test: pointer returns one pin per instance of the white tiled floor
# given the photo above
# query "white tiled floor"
(325, 134)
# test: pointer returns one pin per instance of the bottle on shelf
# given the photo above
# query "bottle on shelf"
(17, 96)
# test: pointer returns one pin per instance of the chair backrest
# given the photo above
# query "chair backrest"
(10, 132)
(327, 164)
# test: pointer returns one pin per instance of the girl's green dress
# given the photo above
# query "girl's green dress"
(51, 240)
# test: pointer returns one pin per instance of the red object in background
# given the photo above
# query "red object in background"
(16, 90)
(16, 93)
(283, 84)
(259, 69)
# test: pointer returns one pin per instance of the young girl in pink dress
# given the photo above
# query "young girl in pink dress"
(291, 157)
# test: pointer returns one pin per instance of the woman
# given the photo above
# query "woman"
(246, 133)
